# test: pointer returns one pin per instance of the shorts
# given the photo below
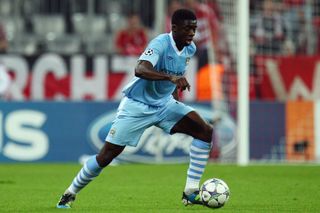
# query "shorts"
(133, 118)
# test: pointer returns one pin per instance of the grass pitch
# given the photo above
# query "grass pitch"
(158, 188)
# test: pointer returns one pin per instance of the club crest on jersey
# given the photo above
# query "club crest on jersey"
(148, 51)
(187, 60)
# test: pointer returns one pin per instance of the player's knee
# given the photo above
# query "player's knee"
(108, 153)
(103, 160)
(206, 134)
(209, 131)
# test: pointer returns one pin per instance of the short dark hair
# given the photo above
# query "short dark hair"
(182, 14)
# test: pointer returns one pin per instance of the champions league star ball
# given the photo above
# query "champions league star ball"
(214, 193)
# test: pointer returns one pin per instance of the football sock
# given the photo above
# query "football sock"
(199, 154)
(89, 171)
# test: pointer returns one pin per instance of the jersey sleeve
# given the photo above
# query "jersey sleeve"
(192, 48)
(153, 51)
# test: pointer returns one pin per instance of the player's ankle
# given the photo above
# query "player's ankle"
(68, 191)
(189, 191)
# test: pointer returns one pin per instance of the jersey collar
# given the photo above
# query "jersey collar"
(173, 44)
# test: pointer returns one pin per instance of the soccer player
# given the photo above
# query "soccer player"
(151, 99)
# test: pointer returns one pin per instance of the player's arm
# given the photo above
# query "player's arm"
(175, 94)
(145, 70)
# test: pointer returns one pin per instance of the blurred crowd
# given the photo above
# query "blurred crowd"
(124, 27)
(284, 27)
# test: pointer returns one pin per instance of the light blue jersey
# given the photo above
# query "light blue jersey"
(147, 103)
(163, 54)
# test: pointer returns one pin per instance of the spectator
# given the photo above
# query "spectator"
(316, 26)
(269, 30)
(316, 23)
(3, 40)
(300, 37)
(133, 39)
(294, 13)
(172, 6)
(208, 28)
(215, 6)
(254, 6)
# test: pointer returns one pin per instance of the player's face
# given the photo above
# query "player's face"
(185, 31)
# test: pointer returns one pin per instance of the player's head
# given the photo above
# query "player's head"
(133, 20)
(184, 24)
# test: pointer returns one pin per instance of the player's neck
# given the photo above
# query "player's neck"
(179, 45)
(176, 42)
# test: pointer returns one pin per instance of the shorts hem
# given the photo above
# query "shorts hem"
(128, 144)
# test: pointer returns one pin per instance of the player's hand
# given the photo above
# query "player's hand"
(181, 82)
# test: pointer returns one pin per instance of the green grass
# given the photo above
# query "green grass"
(158, 188)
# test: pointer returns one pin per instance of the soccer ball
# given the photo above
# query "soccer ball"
(214, 193)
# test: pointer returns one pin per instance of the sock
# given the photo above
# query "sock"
(199, 154)
(89, 171)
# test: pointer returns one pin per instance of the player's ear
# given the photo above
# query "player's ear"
(174, 28)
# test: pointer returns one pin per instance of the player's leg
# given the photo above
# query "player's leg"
(90, 170)
(108, 152)
(193, 125)
(131, 121)
(94, 166)
(180, 118)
